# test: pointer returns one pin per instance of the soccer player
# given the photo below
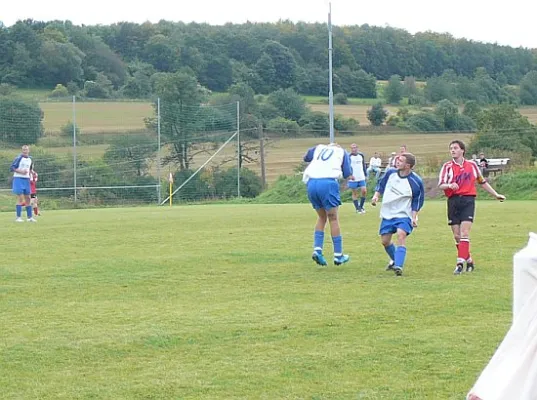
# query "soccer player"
(327, 163)
(33, 189)
(358, 178)
(21, 183)
(457, 179)
(402, 199)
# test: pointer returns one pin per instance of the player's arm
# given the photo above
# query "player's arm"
(308, 157)
(15, 166)
(418, 198)
(486, 186)
(381, 187)
(442, 180)
(346, 165)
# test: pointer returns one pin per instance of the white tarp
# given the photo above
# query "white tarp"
(512, 372)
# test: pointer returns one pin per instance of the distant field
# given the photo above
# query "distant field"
(323, 100)
(359, 111)
(96, 117)
(283, 156)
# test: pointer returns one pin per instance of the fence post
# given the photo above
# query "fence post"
(262, 155)
(239, 152)
(74, 146)
(158, 151)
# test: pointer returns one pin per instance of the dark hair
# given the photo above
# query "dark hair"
(460, 143)
(410, 159)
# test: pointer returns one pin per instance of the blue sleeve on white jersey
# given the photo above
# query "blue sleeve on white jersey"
(346, 165)
(16, 163)
(418, 192)
(381, 185)
(308, 157)
(363, 163)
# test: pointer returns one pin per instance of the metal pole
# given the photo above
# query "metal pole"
(262, 155)
(74, 145)
(238, 152)
(330, 92)
(158, 151)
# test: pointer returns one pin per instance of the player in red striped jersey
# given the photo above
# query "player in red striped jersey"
(33, 189)
(457, 179)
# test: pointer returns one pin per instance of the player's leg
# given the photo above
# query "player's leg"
(404, 228)
(456, 230)
(389, 248)
(315, 198)
(464, 245)
(318, 237)
(19, 206)
(331, 203)
(363, 190)
(454, 221)
(27, 200)
(35, 204)
(337, 240)
(17, 191)
(355, 196)
(467, 219)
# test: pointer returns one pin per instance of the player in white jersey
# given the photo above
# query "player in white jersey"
(359, 173)
(402, 198)
(327, 164)
(21, 183)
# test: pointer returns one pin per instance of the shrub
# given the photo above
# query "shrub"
(341, 98)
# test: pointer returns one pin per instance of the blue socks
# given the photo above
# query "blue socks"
(356, 205)
(400, 255)
(19, 210)
(338, 245)
(318, 241)
(362, 202)
(29, 211)
(391, 251)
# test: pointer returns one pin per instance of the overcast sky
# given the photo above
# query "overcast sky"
(509, 23)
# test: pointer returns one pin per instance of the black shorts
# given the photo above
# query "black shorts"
(460, 208)
(33, 196)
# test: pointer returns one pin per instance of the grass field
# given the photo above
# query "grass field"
(224, 302)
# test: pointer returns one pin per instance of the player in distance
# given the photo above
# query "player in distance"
(402, 198)
(327, 164)
(358, 180)
(458, 179)
(33, 190)
(21, 183)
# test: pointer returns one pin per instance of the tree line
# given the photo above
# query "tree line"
(122, 58)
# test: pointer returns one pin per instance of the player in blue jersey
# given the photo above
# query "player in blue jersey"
(327, 164)
(402, 198)
(358, 181)
(21, 183)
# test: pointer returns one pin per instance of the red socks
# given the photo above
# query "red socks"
(463, 249)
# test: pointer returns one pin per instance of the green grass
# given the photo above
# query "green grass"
(223, 302)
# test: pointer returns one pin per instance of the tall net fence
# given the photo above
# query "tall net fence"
(119, 153)
(124, 153)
